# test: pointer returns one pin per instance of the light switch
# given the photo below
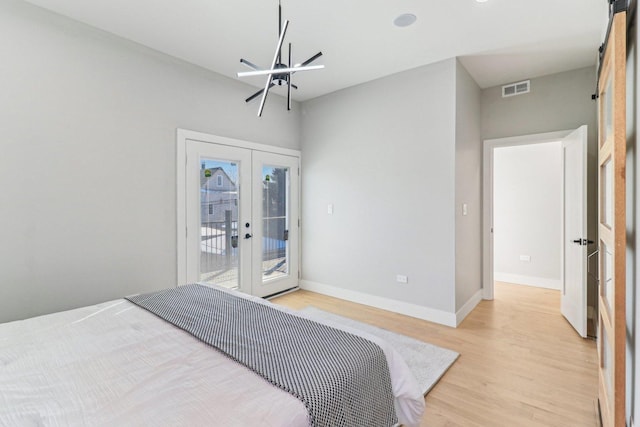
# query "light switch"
(330, 208)
(464, 209)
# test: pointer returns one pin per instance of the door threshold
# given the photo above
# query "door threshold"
(279, 294)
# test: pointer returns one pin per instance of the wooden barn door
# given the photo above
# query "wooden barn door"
(611, 223)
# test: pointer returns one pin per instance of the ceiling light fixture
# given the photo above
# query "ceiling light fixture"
(405, 20)
(279, 73)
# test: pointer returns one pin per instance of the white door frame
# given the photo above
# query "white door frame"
(489, 145)
(182, 135)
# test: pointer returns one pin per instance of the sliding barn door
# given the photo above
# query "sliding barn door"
(611, 225)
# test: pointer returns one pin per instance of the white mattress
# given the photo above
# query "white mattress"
(117, 364)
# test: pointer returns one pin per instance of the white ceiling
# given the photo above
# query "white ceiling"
(500, 41)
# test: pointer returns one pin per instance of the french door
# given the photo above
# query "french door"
(276, 221)
(241, 218)
(612, 225)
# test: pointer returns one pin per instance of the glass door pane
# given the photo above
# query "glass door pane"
(218, 215)
(275, 218)
(275, 222)
(219, 222)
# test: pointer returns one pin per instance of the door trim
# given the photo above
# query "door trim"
(182, 135)
(489, 145)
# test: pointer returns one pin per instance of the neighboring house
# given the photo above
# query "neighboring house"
(218, 194)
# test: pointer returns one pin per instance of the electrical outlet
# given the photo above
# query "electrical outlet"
(525, 258)
(402, 279)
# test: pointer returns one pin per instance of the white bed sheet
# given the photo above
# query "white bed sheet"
(117, 364)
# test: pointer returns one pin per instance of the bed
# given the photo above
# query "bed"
(117, 363)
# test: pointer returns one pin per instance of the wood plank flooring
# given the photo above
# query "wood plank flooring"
(521, 364)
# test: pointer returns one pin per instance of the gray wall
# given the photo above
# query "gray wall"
(468, 166)
(527, 220)
(383, 153)
(87, 170)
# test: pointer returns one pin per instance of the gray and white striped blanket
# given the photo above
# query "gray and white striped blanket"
(342, 379)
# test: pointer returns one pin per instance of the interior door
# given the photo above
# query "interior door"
(611, 224)
(573, 301)
(275, 223)
(218, 182)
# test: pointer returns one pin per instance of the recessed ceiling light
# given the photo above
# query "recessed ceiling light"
(405, 20)
(481, 1)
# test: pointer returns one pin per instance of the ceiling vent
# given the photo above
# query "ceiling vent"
(516, 88)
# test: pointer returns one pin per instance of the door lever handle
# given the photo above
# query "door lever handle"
(247, 236)
(583, 242)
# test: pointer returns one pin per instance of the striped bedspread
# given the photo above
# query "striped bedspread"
(342, 379)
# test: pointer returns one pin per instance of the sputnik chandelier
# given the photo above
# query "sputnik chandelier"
(279, 73)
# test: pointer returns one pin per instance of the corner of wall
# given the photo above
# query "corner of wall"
(468, 306)
(468, 188)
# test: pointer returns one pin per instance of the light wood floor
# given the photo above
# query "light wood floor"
(521, 363)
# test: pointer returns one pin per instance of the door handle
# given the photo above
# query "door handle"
(247, 236)
(583, 242)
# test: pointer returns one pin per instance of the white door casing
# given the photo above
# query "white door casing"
(487, 197)
(573, 299)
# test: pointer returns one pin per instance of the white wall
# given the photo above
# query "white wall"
(468, 276)
(527, 214)
(87, 163)
(383, 153)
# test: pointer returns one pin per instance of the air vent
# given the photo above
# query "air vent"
(516, 88)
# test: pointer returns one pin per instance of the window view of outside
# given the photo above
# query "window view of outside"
(219, 223)
(274, 222)
(219, 260)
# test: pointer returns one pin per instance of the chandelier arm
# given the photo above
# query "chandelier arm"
(273, 64)
(279, 30)
(289, 82)
(310, 60)
(250, 65)
(258, 93)
(279, 71)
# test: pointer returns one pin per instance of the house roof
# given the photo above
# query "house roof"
(214, 172)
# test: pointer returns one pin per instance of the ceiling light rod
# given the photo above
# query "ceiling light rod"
(278, 73)
(272, 69)
(291, 70)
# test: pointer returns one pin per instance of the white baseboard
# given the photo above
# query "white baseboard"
(401, 307)
(468, 307)
(538, 282)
